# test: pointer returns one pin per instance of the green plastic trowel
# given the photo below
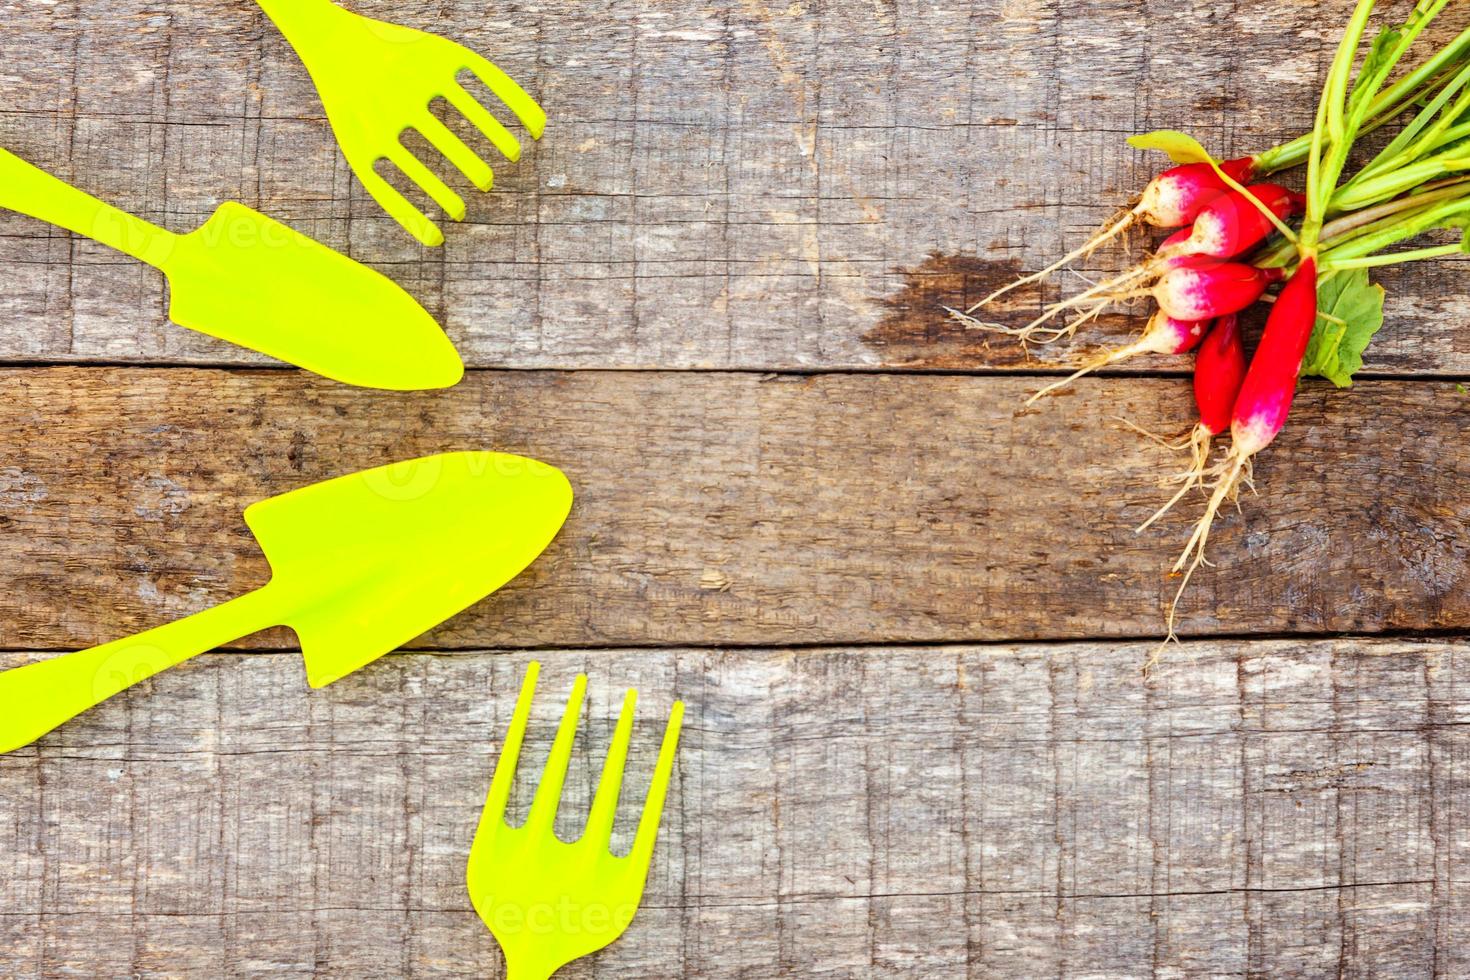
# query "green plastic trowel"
(252, 281)
(360, 565)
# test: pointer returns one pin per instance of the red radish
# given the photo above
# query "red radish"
(1171, 199)
(1263, 403)
(1202, 288)
(1174, 197)
(1171, 245)
(1163, 335)
(1229, 224)
(1219, 368)
(1176, 251)
(1213, 286)
(1270, 384)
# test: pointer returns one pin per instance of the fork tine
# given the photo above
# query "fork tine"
(605, 803)
(399, 209)
(447, 142)
(653, 807)
(459, 97)
(449, 202)
(527, 111)
(548, 793)
(510, 751)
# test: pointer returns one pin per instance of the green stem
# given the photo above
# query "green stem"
(1408, 227)
(1293, 153)
(1356, 194)
(1420, 197)
(1425, 131)
(1384, 107)
(1394, 258)
(1409, 85)
(1373, 220)
(1335, 130)
(1239, 188)
(1452, 135)
(1373, 74)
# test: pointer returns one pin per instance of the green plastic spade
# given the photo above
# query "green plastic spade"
(360, 565)
(245, 278)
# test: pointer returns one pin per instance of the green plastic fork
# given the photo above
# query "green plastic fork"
(376, 81)
(548, 902)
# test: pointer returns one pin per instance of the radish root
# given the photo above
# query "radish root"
(1034, 333)
(1111, 357)
(970, 323)
(1108, 233)
(1182, 442)
(1198, 445)
(1235, 470)
(1094, 300)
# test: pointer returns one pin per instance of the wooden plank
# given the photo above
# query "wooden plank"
(1253, 809)
(726, 184)
(741, 509)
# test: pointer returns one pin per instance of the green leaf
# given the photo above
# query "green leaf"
(1379, 60)
(1350, 312)
(1181, 147)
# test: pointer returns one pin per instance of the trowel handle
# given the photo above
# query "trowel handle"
(31, 190)
(38, 697)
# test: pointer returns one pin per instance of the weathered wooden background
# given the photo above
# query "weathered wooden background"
(907, 615)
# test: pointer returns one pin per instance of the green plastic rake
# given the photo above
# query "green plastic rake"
(376, 81)
(549, 902)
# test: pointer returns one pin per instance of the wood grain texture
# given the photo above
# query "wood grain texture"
(732, 508)
(745, 187)
(1256, 809)
(733, 185)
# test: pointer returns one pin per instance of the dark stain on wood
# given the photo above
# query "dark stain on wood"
(1217, 103)
(919, 332)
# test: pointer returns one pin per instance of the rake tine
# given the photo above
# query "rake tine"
(653, 807)
(459, 97)
(399, 208)
(510, 751)
(548, 793)
(466, 160)
(449, 202)
(605, 803)
(527, 111)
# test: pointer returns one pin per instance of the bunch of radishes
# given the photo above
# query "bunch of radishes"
(1238, 235)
